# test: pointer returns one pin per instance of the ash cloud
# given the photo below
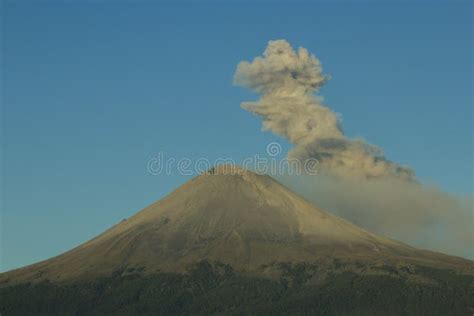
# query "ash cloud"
(287, 81)
(359, 183)
(420, 215)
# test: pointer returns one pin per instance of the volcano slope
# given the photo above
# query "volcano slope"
(230, 242)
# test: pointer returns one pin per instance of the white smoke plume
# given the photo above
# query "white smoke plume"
(420, 215)
(359, 183)
(287, 81)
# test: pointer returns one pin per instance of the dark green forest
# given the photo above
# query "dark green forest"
(210, 289)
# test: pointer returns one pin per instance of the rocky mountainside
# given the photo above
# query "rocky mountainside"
(233, 223)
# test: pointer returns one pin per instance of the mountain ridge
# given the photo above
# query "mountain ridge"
(233, 242)
(227, 215)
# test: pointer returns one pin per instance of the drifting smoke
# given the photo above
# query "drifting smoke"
(359, 184)
(287, 81)
(420, 215)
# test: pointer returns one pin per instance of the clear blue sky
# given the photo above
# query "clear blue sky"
(92, 90)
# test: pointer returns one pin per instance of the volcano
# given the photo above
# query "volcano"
(227, 230)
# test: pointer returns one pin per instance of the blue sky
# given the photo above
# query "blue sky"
(92, 90)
